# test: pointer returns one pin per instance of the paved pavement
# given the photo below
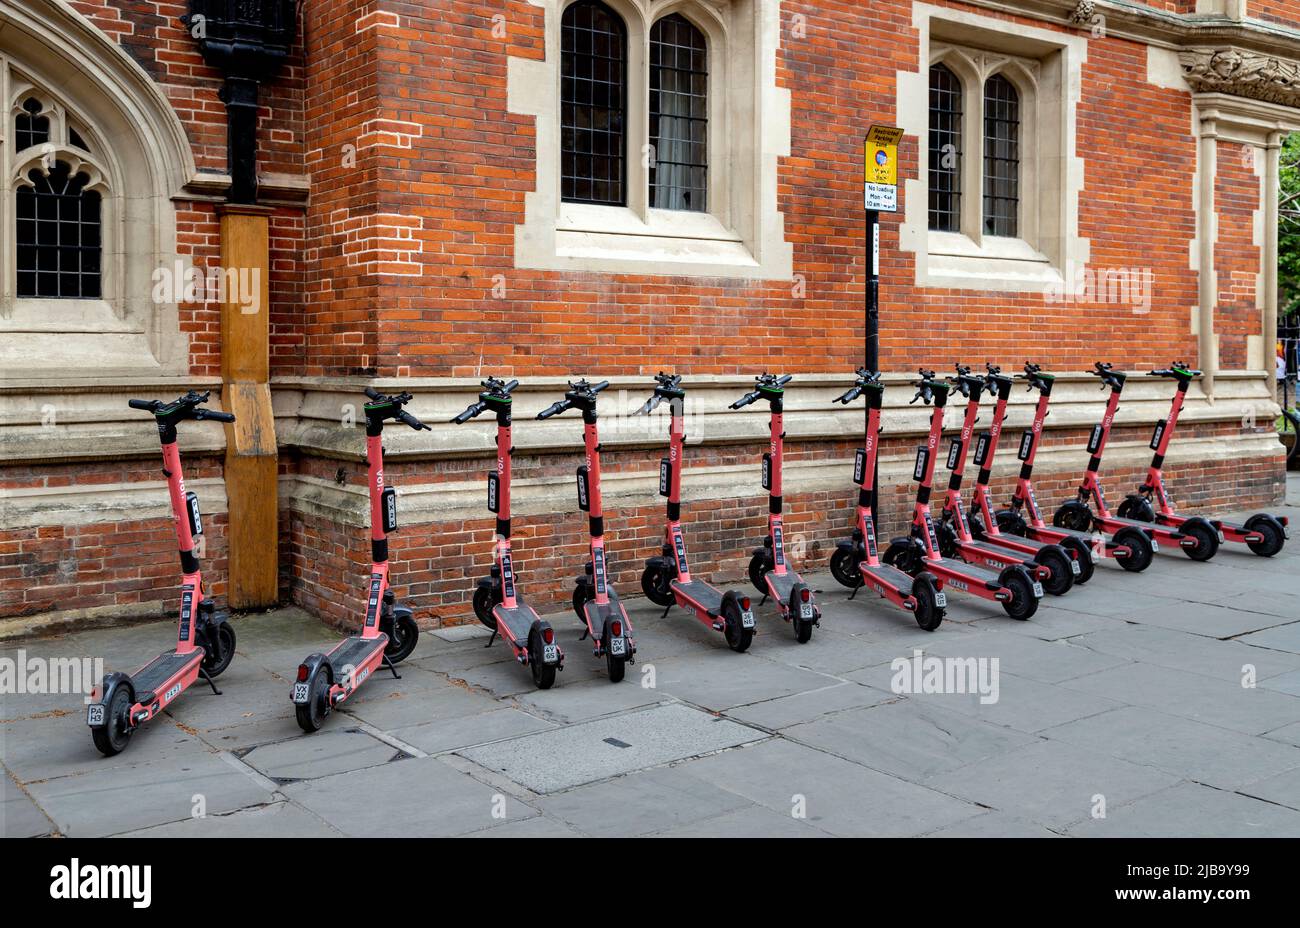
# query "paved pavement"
(1164, 704)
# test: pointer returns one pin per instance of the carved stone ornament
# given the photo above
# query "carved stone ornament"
(1242, 74)
(1082, 14)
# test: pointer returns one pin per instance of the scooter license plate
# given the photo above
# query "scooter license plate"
(550, 653)
(1038, 590)
(941, 599)
(1155, 545)
(747, 619)
(300, 693)
(1221, 538)
(618, 646)
(1075, 568)
(95, 715)
(805, 610)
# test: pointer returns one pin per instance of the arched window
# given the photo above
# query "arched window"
(58, 222)
(1001, 157)
(679, 115)
(945, 149)
(593, 105)
(58, 240)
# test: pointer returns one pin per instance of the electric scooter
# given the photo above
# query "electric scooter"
(1013, 586)
(389, 632)
(667, 578)
(983, 522)
(769, 569)
(497, 602)
(1196, 536)
(1264, 534)
(1050, 564)
(594, 599)
(1129, 546)
(856, 561)
(205, 639)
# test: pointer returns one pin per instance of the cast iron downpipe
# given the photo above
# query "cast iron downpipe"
(247, 40)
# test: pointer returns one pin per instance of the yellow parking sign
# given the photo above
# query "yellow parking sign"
(881, 163)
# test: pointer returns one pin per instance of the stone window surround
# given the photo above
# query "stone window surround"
(1045, 67)
(743, 234)
(141, 161)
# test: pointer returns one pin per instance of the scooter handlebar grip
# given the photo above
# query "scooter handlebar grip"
(510, 387)
(784, 380)
(373, 393)
(146, 405)
(413, 422)
(468, 414)
(552, 410)
(216, 416)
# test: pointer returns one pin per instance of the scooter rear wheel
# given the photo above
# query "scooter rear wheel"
(1023, 603)
(738, 637)
(543, 674)
(1207, 541)
(226, 645)
(844, 567)
(311, 714)
(1062, 578)
(929, 614)
(1274, 537)
(1083, 554)
(1140, 551)
(803, 628)
(403, 640)
(115, 735)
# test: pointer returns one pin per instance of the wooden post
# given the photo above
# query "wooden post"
(251, 459)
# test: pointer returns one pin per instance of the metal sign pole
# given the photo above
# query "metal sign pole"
(880, 192)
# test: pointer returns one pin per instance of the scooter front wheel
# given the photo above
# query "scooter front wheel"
(844, 567)
(738, 637)
(657, 585)
(580, 599)
(929, 614)
(311, 714)
(1073, 515)
(758, 568)
(483, 603)
(115, 734)
(403, 639)
(1011, 522)
(225, 646)
(1135, 507)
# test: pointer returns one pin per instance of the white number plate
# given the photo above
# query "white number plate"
(805, 610)
(618, 646)
(1221, 536)
(95, 715)
(1155, 545)
(300, 693)
(747, 619)
(1075, 568)
(941, 599)
(550, 653)
(1038, 590)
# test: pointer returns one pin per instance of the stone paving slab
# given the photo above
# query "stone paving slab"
(281, 819)
(1212, 621)
(127, 798)
(717, 684)
(578, 702)
(417, 797)
(1045, 661)
(995, 825)
(784, 711)
(1214, 756)
(748, 822)
(839, 796)
(1195, 811)
(641, 803)
(1176, 650)
(907, 739)
(1203, 699)
(1277, 638)
(467, 730)
(554, 760)
(19, 816)
(322, 754)
(1283, 789)
(1051, 783)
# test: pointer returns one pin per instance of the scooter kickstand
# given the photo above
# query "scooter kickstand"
(763, 600)
(854, 593)
(667, 609)
(389, 665)
(212, 683)
(491, 638)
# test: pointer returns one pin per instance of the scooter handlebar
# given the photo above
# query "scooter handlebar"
(555, 409)
(413, 422)
(146, 405)
(373, 393)
(470, 412)
(214, 415)
(849, 395)
(649, 406)
(744, 400)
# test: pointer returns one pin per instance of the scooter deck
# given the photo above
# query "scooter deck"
(517, 621)
(780, 585)
(887, 573)
(998, 552)
(353, 652)
(1148, 527)
(597, 613)
(965, 571)
(158, 671)
(704, 595)
(1020, 540)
